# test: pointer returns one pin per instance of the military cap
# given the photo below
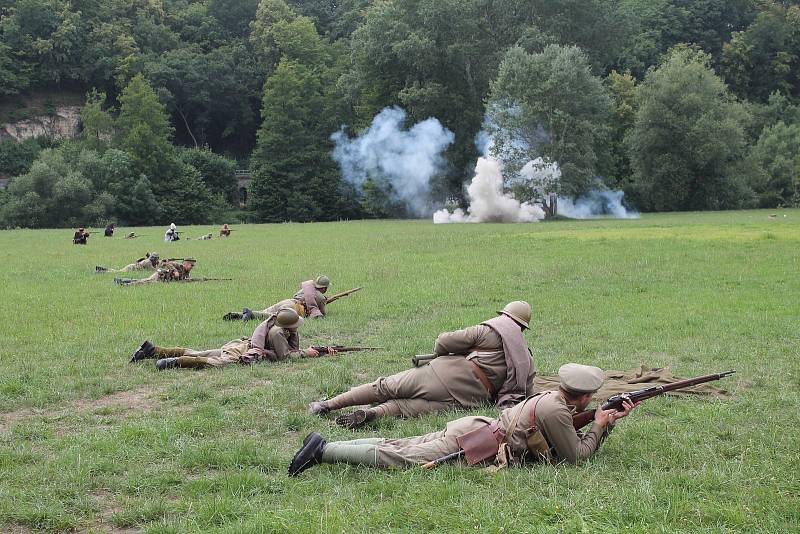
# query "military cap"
(322, 281)
(580, 378)
(190, 260)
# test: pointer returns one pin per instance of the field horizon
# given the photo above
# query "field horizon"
(91, 443)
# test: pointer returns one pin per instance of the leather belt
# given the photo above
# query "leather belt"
(482, 377)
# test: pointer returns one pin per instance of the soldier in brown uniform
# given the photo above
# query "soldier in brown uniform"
(168, 271)
(273, 340)
(148, 263)
(486, 363)
(537, 429)
(225, 231)
(310, 301)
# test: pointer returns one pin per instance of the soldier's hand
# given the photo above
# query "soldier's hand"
(627, 406)
(311, 352)
(331, 351)
(603, 417)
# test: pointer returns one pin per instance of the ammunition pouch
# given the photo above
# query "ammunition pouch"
(481, 443)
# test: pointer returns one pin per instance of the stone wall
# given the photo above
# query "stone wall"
(63, 124)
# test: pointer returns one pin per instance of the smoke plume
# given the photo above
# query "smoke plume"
(596, 204)
(406, 159)
(488, 202)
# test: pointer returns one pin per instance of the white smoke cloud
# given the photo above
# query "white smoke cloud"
(407, 159)
(488, 202)
(596, 204)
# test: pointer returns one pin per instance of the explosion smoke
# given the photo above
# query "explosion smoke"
(488, 202)
(406, 159)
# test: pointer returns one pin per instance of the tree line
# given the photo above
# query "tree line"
(683, 104)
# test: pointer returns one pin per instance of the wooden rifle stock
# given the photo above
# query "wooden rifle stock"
(342, 294)
(579, 420)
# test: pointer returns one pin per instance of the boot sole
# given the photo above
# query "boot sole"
(352, 420)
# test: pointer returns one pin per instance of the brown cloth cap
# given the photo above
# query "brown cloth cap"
(580, 378)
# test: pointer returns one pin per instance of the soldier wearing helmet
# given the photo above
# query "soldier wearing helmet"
(274, 339)
(148, 263)
(310, 301)
(486, 363)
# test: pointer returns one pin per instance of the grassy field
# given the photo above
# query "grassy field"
(89, 442)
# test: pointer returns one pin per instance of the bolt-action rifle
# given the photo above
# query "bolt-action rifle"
(326, 349)
(342, 294)
(203, 279)
(581, 419)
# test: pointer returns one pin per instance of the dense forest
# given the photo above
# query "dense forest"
(682, 104)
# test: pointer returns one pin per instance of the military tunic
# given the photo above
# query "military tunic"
(168, 271)
(553, 417)
(279, 344)
(447, 382)
(297, 302)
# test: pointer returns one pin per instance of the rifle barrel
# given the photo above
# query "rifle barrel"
(579, 420)
(342, 294)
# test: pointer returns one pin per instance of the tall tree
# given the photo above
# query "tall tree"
(549, 105)
(688, 138)
(294, 177)
(144, 131)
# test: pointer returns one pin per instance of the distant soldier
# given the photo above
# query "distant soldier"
(310, 301)
(172, 233)
(148, 263)
(205, 237)
(538, 429)
(109, 231)
(273, 340)
(167, 271)
(131, 235)
(224, 231)
(80, 237)
(487, 363)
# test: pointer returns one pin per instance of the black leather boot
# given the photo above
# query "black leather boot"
(309, 455)
(146, 350)
(166, 363)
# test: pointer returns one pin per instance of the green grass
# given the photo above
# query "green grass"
(89, 442)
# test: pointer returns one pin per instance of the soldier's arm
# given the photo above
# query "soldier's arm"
(460, 341)
(321, 302)
(569, 447)
(282, 348)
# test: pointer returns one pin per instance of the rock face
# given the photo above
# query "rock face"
(63, 124)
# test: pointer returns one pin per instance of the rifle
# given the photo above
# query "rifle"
(421, 359)
(446, 458)
(326, 349)
(579, 420)
(342, 294)
(202, 279)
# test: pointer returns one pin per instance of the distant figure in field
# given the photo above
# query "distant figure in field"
(205, 237)
(109, 231)
(132, 235)
(224, 231)
(80, 237)
(148, 263)
(172, 233)
(273, 340)
(309, 301)
(167, 271)
(538, 429)
(479, 365)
